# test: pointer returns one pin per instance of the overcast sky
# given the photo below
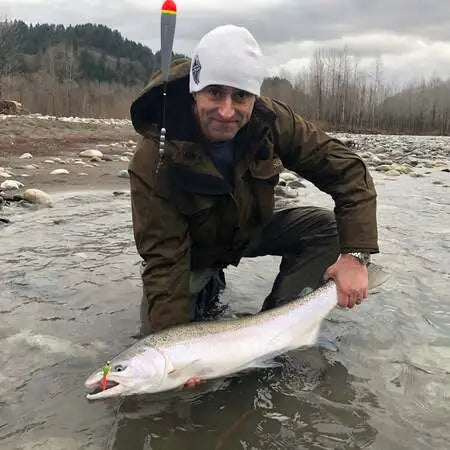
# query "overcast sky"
(412, 37)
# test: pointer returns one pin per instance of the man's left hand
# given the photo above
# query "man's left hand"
(351, 280)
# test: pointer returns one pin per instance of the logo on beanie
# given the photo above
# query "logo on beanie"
(196, 68)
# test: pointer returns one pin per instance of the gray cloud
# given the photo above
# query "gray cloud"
(286, 29)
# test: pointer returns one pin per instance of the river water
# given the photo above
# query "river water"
(69, 300)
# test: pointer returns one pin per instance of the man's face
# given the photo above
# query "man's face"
(222, 111)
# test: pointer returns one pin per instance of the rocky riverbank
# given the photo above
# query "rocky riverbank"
(51, 154)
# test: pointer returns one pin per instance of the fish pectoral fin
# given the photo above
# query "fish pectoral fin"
(377, 275)
(186, 369)
(264, 364)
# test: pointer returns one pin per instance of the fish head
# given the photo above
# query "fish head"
(143, 371)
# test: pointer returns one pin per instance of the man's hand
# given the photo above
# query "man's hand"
(351, 280)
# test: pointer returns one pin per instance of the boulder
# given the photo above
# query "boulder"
(11, 107)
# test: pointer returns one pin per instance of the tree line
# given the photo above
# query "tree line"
(91, 70)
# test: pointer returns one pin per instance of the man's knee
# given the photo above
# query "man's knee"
(325, 219)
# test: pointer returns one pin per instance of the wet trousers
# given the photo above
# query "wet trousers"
(306, 239)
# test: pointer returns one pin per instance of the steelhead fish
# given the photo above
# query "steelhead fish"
(169, 358)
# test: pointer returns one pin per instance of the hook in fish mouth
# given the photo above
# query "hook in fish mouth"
(94, 384)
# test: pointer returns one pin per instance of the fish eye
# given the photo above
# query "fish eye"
(119, 368)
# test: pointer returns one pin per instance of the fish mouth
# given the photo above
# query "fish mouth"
(113, 388)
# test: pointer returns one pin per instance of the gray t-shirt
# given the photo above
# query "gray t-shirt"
(222, 155)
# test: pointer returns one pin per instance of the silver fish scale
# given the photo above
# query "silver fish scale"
(186, 333)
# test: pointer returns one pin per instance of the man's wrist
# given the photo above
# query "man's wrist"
(362, 257)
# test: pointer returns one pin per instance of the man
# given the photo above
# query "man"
(209, 201)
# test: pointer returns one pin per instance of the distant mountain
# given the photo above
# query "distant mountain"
(82, 53)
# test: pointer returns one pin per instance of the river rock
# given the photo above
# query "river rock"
(4, 174)
(106, 158)
(91, 153)
(39, 197)
(123, 174)
(383, 168)
(402, 168)
(59, 172)
(288, 176)
(393, 173)
(26, 156)
(10, 185)
(95, 159)
(124, 159)
(49, 161)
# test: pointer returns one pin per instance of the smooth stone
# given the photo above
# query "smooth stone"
(91, 153)
(438, 182)
(124, 158)
(95, 159)
(123, 174)
(445, 170)
(393, 173)
(5, 174)
(287, 176)
(26, 156)
(106, 158)
(130, 154)
(39, 197)
(402, 168)
(5, 221)
(11, 197)
(383, 168)
(49, 161)
(59, 172)
(79, 163)
(416, 175)
(9, 185)
(83, 174)
(30, 167)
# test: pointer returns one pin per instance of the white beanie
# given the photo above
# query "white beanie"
(227, 55)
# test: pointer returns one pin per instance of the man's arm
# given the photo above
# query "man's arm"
(334, 169)
(163, 242)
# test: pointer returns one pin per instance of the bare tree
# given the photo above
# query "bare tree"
(8, 49)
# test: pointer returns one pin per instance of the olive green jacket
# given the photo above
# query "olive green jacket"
(186, 217)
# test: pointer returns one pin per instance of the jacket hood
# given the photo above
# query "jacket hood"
(146, 110)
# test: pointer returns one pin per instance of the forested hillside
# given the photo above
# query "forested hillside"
(91, 70)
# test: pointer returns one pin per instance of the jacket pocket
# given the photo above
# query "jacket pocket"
(199, 212)
(264, 176)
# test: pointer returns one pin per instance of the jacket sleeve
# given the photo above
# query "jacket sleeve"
(162, 240)
(334, 169)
